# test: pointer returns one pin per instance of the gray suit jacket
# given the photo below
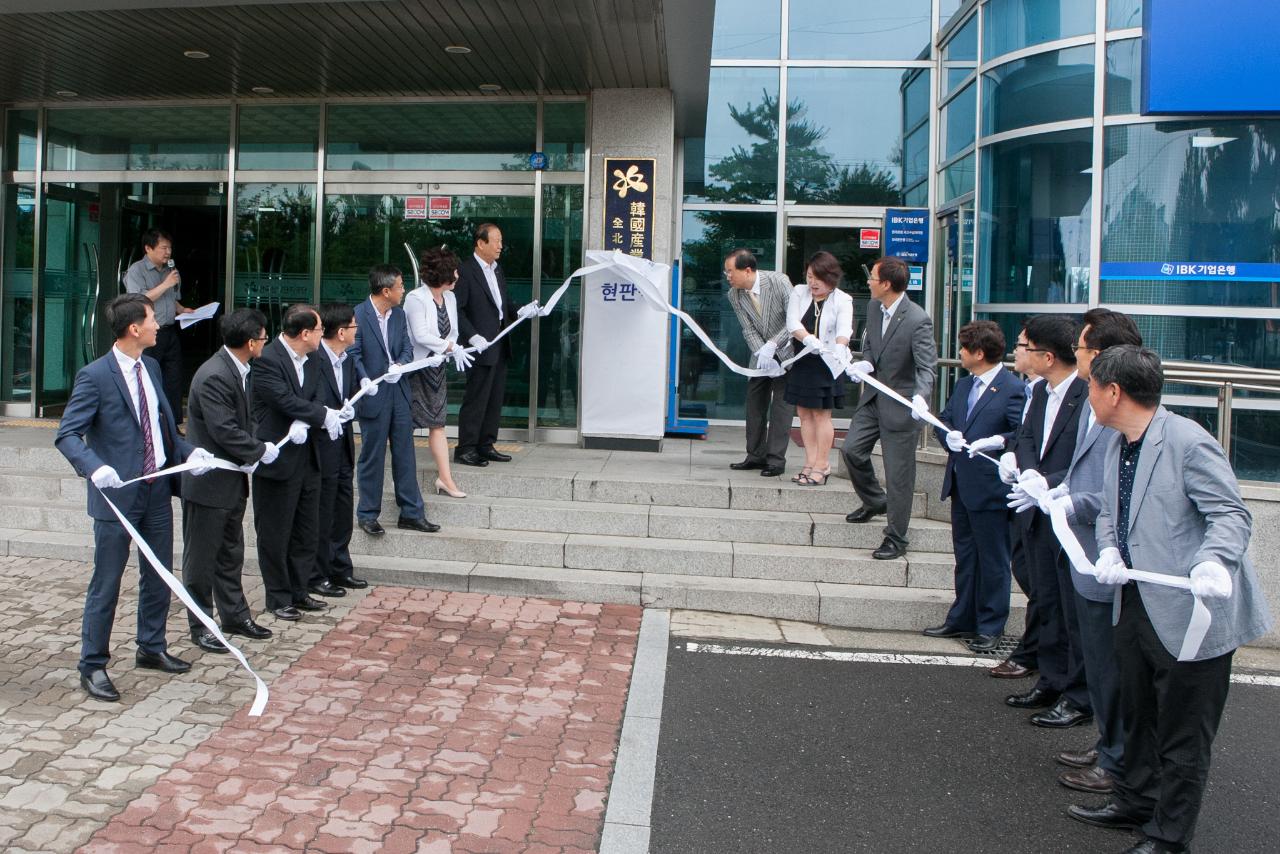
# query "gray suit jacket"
(1186, 508)
(775, 291)
(905, 359)
(1085, 479)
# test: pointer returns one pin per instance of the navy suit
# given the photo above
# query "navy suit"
(384, 416)
(100, 427)
(337, 466)
(979, 517)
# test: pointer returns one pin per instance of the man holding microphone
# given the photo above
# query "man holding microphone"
(154, 276)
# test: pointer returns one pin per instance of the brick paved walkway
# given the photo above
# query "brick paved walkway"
(402, 720)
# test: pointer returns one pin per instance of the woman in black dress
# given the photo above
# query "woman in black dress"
(819, 316)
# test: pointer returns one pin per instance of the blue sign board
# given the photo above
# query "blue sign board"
(537, 160)
(628, 205)
(1210, 56)
(906, 234)
(1190, 271)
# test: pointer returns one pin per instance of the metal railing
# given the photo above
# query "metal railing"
(1225, 379)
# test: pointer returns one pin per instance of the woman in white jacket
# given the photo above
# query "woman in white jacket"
(820, 317)
(432, 312)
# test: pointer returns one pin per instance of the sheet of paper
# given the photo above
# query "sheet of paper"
(204, 312)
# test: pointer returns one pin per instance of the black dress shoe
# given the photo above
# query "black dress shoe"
(424, 525)
(1036, 698)
(287, 612)
(470, 458)
(306, 603)
(371, 527)
(351, 582)
(98, 686)
(1094, 780)
(1153, 846)
(1110, 815)
(747, 465)
(204, 639)
(248, 629)
(494, 456)
(945, 631)
(889, 550)
(162, 661)
(1084, 759)
(327, 588)
(772, 471)
(984, 643)
(1062, 715)
(864, 514)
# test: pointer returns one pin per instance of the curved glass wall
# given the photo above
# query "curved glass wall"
(960, 56)
(959, 122)
(1198, 194)
(1123, 87)
(1035, 198)
(1123, 14)
(1047, 87)
(1010, 25)
(820, 29)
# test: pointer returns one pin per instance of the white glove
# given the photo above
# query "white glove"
(774, 369)
(479, 342)
(333, 422)
(461, 359)
(1056, 496)
(1210, 580)
(268, 456)
(298, 432)
(1009, 468)
(1021, 498)
(204, 461)
(369, 384)
(812, 344)
(919, 407)
(106, 478)
(1111, 568)
(393, 373)
(347, 413)
(955, 441)
(528, 310)
(860, 369)
(766, 352)
(987, 443)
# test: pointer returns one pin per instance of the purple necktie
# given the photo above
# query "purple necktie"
(144, 418)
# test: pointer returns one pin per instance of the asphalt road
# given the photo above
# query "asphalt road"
(761, 754)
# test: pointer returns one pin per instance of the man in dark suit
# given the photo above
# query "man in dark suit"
(334, 572)
(898, 343)
(984, 410)
(213, 505)
(1046, 443)
(118, 426)
(484, 308)
(381, 346)
(284, 386)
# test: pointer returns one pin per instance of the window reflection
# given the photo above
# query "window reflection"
(275, 247)
(1123, 14)
(279, 137)
(747, 29)
(737, 160)
(1014, 24)
(1047, 87)
(820, 29)
(960, 56)
(431, 136)
(1124, 81)
(138, 138)
(20, 140)
(960, 120)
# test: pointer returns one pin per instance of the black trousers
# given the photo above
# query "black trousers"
(1171, 712)
(1060, 662)
(1097, 647)
(333, 556)
(286, 517)
(213, 559)
(168, 352)
(481, 408)
(1027, 653)
(768, 421)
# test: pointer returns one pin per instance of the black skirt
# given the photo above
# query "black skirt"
(810, 384)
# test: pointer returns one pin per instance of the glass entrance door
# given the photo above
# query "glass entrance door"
(953, 298)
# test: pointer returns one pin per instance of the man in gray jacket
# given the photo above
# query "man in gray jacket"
(759, 299)
(898, 342)
(1170, 505)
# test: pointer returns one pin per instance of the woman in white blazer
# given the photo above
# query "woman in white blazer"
(820, 317)
(432, 312)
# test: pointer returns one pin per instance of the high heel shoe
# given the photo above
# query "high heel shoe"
(441, 489)
(802, 476)
(812, 478)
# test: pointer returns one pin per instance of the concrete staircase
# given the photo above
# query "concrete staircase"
(594, 526)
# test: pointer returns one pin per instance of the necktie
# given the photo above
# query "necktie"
(885, 317)
(144, 418)
(974, 394)
(755, 301)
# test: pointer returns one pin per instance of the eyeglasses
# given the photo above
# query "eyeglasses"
(874, 280)
(1021, 345)
(261, 339)
(1076, 348)
(1034, 349)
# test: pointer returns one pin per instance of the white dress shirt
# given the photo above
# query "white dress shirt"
(1054, 403)
(383, 320)
(240, 366)
(153, 403)
(887, 311)
(299, 362)
(335, 361)
(981, 381)
(491, 276)
(1031, 387)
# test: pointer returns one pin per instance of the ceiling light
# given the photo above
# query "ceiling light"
(262, 90)
(490, 87)
(66, 93)
(1211, 141)
(195, 54)
(456, 48)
